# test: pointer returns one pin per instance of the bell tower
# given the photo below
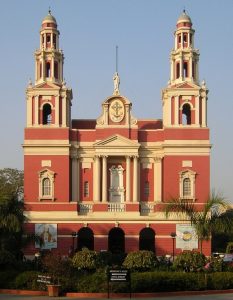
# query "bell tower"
(46, 137)
(184, 99)
(49, 99)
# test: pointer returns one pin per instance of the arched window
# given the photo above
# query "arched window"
(186, 187)
(54, 41)
(185, 69)
(147, 239)
(116, 240)
(46, 187)
(47, 114)
(186, 114)
(56, 69)
(85, 239)
(40, 70)
(177, 70)
(187, 184)
(48, 70)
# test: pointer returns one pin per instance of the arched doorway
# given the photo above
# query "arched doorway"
(147, 239)
(85, 239)
(47, 114)
(186, 114)
(116, 240)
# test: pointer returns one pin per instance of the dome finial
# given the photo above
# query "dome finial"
(50, 10)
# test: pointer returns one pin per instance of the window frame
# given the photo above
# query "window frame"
(43, 175)
(191, 175)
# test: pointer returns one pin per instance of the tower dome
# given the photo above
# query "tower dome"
(184, 20)
(49, 20)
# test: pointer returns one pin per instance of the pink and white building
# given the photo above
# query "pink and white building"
(107, 179)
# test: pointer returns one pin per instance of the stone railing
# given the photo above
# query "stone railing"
(116, 207)
(146, 208)
(85, 209)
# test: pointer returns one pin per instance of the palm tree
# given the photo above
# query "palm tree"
(212, 217)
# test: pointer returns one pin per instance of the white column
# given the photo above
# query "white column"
(36, 109)
(57, 108)
(172, 69)
(127, 179)
(197, 71)
(204, 112)
(29, 111)
(104, 179)
(135, 179)
(75, 178)
(158, 179)
(43, 65)
(197, 110)
(96, 180)
(181, 68)
(176, 110)
(52, 66)
(64, 114)
(191, 67)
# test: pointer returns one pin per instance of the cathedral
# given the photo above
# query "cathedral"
(103, 183)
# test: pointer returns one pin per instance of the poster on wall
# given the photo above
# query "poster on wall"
(48, 234)
(186, 238)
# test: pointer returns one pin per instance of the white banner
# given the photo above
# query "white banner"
(186, 237)
(48, 234)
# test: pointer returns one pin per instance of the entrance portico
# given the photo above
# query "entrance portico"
(120, 150)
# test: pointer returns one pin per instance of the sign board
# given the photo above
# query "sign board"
(48, 234)
(186, 237)
(118, 275)
(44, 279)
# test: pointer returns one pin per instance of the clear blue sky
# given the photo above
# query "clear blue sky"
(143, 30)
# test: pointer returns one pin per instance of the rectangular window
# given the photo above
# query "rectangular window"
(86, 189)
(186, 187)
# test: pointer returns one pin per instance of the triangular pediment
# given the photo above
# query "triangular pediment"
(117, 141)
(46, 85)
(186, 85)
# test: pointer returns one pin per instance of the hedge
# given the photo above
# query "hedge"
(146, 282)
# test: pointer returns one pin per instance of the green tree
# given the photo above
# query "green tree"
(212, 217)
(11, 183)
(12, 219)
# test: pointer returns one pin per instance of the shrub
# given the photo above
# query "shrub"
(229, 248)
(85, 259)
(104, 259)
(7, 279)
(190, 261)
(219, 281)
(166, 281)
(7, 260)
(28, 281)
(92, 283)
(140, 260)
(56, 266)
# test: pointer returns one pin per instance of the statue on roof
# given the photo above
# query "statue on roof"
(116, 82)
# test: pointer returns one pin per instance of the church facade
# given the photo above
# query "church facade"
(103, 183)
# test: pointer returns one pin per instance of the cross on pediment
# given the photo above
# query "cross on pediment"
(117, 107)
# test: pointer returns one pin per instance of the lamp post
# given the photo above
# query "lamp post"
(37, 259)
(221, 257)
(173, 236)
(74, 235)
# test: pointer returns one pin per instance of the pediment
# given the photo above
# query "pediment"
(117, 141)
(187, 85)
(124, 99)
(46, 85)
